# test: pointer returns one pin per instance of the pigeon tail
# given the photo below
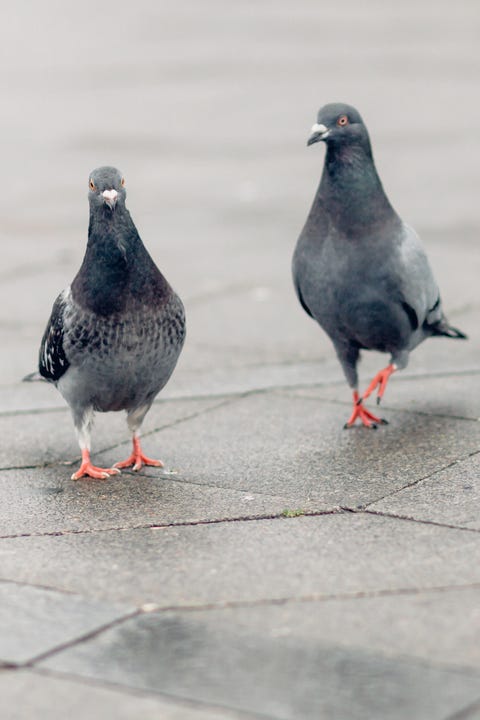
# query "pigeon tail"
(34, 377)
(442, 328)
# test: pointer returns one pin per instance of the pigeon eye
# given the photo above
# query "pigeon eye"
(122, 182)
(91, 185)
(342, 120)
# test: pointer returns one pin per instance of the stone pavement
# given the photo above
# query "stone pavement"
(279, 567)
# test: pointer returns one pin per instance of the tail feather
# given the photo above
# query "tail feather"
(34, 377)
(443, 328)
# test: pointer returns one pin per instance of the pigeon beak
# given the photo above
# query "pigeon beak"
(110, 198)
(319, 132)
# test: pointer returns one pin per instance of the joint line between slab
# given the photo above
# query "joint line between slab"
(422, 479)
(176, 700)
(181, 523)
(466, 712)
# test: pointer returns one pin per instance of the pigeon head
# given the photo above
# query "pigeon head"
(106, 188)
(339, 125)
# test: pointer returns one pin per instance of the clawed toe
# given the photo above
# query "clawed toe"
(360, 412)
(137, 461)
(86, 469)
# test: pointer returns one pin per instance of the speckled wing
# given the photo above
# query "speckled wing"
(52, 361)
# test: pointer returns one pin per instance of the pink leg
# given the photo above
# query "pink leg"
(379, 380)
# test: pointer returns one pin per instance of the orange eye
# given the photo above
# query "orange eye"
(122, 182)
(342, 120)
(91, 185)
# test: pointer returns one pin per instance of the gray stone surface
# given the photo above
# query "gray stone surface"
(470, 713)
(247, 561)
(27, 695)
(34, 621)
(48, 436)
(279, 444)
(206, 107)
(48, 502)
(243, 659)
(451, 496)
(450, 395)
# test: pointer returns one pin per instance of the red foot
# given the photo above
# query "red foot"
(361, 413)
(137, 458)
(381, 380)
(86, 468)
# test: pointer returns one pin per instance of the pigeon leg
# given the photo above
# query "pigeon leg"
(361, 413)
(86, 468)
(381, 380)
(137, 458)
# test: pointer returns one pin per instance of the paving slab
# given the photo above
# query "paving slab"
(243, 659)
(291, 446)
(47, 501)
(451, 496)
(29, 694)
(448, 395)
(439, 627)
(48, 436)
(219, 182)
(34, 621)
(247, 561)
(472, 712)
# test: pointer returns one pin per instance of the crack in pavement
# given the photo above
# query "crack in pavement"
(79, 639)
(152, 607)
(408, 518)
(266, 389)
(180, 523)
(466, 712)
(457, 460)
(228, 400)
(176, 700)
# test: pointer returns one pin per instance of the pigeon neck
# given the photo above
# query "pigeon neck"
(350, 190)
(104, 274)
(117, 274)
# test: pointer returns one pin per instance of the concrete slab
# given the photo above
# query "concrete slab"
(447, 395)
(247, 561)
(47, 502)
(219, 183)
(470, 713)
(294, 447)
(27, 694)
(35, 621)
(241, 658)
(46, 436)
(451, 496)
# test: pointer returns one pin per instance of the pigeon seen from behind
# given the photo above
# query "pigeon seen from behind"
(115, 335)
(358, 270)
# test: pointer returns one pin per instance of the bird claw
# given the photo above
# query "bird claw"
(138, 460)
(97, 473)
(367, 418)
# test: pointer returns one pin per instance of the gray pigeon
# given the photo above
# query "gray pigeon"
(358, 270)
(115, 335)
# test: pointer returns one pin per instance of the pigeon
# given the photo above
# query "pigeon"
(358, 269)
(115, 334)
